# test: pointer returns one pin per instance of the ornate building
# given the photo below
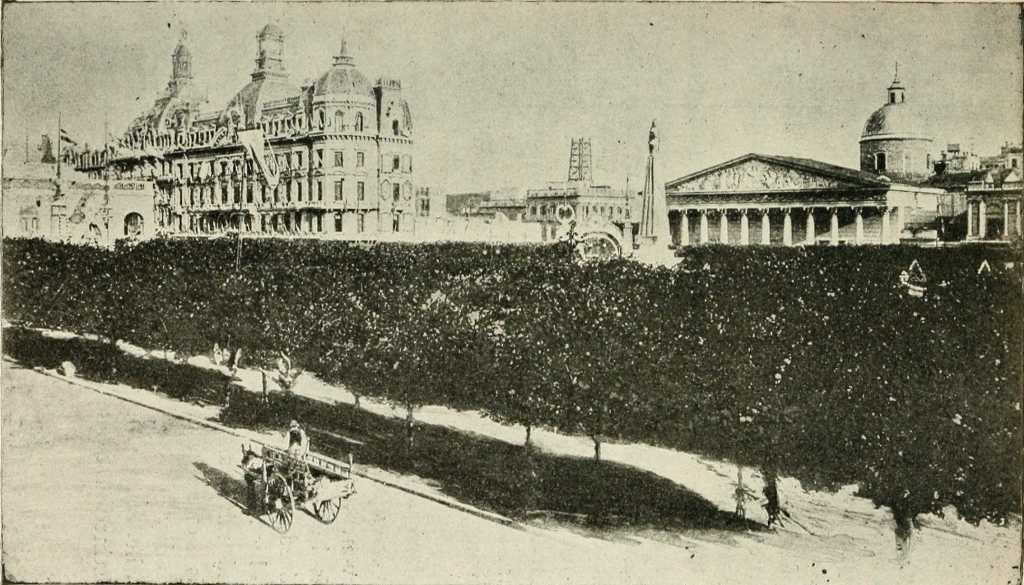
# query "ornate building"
(330, 158)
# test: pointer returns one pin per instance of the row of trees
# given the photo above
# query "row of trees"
(812, 362)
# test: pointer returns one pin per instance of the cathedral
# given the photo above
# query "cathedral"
(780, 200)
(325, 158)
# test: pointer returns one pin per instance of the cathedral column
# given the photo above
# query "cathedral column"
(684, 229)
(703, 226)
(787, 229)
(884, 239)
(1018, 218)
(970, 219)
(859, 235)
(766, 227)
(833, 235)
(1006, 219)
(723, 227)
(811, 230)
(744, 228)
(982, 219)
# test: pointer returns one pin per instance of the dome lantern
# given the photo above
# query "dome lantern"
(343, 58)
(897, 93)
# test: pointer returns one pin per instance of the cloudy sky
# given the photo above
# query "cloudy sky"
(498, 90)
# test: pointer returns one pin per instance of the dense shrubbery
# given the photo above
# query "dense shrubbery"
(812, 362)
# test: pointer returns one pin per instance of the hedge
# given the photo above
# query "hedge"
(812, 362)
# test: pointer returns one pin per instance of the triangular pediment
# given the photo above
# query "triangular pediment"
(755, 173)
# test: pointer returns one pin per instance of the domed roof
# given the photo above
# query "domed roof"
(897, 118)
(250, 99)
(894, 120)
(343, 78)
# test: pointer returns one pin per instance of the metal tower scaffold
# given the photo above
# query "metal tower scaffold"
(580, 166)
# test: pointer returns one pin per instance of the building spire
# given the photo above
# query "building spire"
(343, 57)
(654, 230)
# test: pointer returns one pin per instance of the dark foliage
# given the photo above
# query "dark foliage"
(812, 362)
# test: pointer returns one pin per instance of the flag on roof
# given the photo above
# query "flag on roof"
(66, 139)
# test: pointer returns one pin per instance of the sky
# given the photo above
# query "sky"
(498, 90)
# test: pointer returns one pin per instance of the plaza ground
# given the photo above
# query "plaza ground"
(95, 488)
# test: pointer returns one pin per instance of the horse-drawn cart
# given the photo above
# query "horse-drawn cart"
(278, 483)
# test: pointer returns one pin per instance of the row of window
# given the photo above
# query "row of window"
(283, 223)
(612, 212)
(285, 190)
(337, 122)
(276, 127)
(286, 160)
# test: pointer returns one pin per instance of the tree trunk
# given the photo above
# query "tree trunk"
(904, 529)
(771, 494)
(358, 398)
(597, 448)
(741, 494)
(409, 422)
(528, 444)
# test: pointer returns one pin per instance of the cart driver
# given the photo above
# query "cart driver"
(298, 443)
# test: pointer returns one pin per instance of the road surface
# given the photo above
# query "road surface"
(98, 489)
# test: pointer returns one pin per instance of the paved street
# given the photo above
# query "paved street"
(95, 488)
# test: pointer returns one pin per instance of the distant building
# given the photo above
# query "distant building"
(994, 204)
(1009, 157)
(955, 160)
(579, 199)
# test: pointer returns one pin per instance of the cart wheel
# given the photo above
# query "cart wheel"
(327, 510)
(280, 503)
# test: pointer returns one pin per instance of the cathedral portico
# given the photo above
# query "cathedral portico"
(797, 202)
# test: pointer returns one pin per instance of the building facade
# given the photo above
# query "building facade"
(74, 208)
(779, 200)
(994, 205)
(333, 157)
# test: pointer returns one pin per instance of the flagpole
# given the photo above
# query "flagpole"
(59, 141)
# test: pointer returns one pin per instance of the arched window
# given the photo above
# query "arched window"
(533, 210)
(394, 127)
(133, 224)
(339, 121)
(880, 161)
(323, 119)
(359, 122)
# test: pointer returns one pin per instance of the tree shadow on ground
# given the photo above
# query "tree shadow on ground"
(102, 362)
(493, 474)
(487, 473)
